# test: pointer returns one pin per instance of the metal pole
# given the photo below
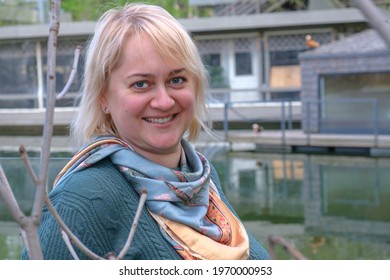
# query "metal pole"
(376, 18)
(283, 125)
(225, 119)
(308, 124)
(42, 5)
(376, 120)
(290, 126)
(38, 54)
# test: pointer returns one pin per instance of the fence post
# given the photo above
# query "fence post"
(283, 124)
(376, 119)
(290, 115)
(308, 122)
(226, 120)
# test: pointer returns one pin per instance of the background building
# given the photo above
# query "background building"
(346, 86)
(251, 49)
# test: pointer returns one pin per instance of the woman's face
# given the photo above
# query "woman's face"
(151, 101)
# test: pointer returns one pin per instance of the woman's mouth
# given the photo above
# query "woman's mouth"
(160, 120)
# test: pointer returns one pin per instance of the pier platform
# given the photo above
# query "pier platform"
(247, 140)
(299, 141)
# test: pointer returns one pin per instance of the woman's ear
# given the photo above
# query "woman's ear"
(104, 104)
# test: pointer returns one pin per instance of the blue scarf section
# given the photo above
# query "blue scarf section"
(180, 195)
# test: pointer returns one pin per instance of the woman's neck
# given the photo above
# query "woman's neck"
(169, 159)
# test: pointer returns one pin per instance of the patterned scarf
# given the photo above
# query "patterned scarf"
(184, 201)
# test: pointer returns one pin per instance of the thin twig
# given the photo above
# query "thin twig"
(141, 203)
(24, 156)
(73, 238)
(40, 193)
(9, 199)
(72, 73)
(50, 105)
(25, 239)
(68, 243)
(29, 234)
(278, 240)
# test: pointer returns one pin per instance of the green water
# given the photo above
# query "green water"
(328, 207)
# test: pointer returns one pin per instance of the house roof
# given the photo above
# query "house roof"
(362, 43)
(255, 22)
(279, 20)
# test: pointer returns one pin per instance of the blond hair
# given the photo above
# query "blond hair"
(103, 55)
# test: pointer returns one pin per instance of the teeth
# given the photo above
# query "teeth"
(159, 120)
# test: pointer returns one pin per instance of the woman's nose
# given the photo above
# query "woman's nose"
(162, 100)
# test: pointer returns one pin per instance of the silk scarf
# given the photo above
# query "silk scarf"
(184, 201)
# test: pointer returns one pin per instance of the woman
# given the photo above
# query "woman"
(143, 96)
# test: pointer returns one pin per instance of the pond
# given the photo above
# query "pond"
(329, 207)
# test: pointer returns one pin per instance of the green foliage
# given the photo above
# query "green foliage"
(93, 9)
(83, 10)
(10, 246)
(3, 247)
(217, 80)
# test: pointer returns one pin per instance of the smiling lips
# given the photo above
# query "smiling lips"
(160, 120)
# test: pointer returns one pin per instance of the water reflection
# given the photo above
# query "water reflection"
(263, 186)
(342, 203)
(329, 207)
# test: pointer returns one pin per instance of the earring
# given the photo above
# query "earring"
(105, 109)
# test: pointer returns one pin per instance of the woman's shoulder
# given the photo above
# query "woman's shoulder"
(102, 174)
(99, 184)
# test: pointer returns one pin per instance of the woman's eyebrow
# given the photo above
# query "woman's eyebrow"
(143, 75)
(146, 75)
(177, 71)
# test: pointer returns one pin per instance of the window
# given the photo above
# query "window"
(212, 60)
(211, 52)
(284, 77)
(243, 56)
(18, 75)
(284, 57)
(243, 63)
(357, 102)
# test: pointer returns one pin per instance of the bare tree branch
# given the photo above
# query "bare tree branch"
(9, 199)
(31, 226)
(73, 238)
(31, 238)
(278, 240)
(28, 226)
(25, 239)
(72, 73)
(24, 156)
(141, 203)
(68, 243)
(67, 234)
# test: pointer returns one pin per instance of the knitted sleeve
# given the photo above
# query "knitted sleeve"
(257, 251)
(87, 210)
(98, 204)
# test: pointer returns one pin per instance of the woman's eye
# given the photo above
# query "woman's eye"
(140, 85)
(177, 80)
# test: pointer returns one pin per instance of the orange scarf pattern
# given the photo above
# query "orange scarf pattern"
(193, 245)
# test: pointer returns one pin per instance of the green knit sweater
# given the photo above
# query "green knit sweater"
(99, 205)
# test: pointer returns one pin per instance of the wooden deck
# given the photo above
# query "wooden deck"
(298, 140)
(269, 141)
(240, 112)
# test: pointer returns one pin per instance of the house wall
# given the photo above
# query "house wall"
(313, 66)
(23, 70)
